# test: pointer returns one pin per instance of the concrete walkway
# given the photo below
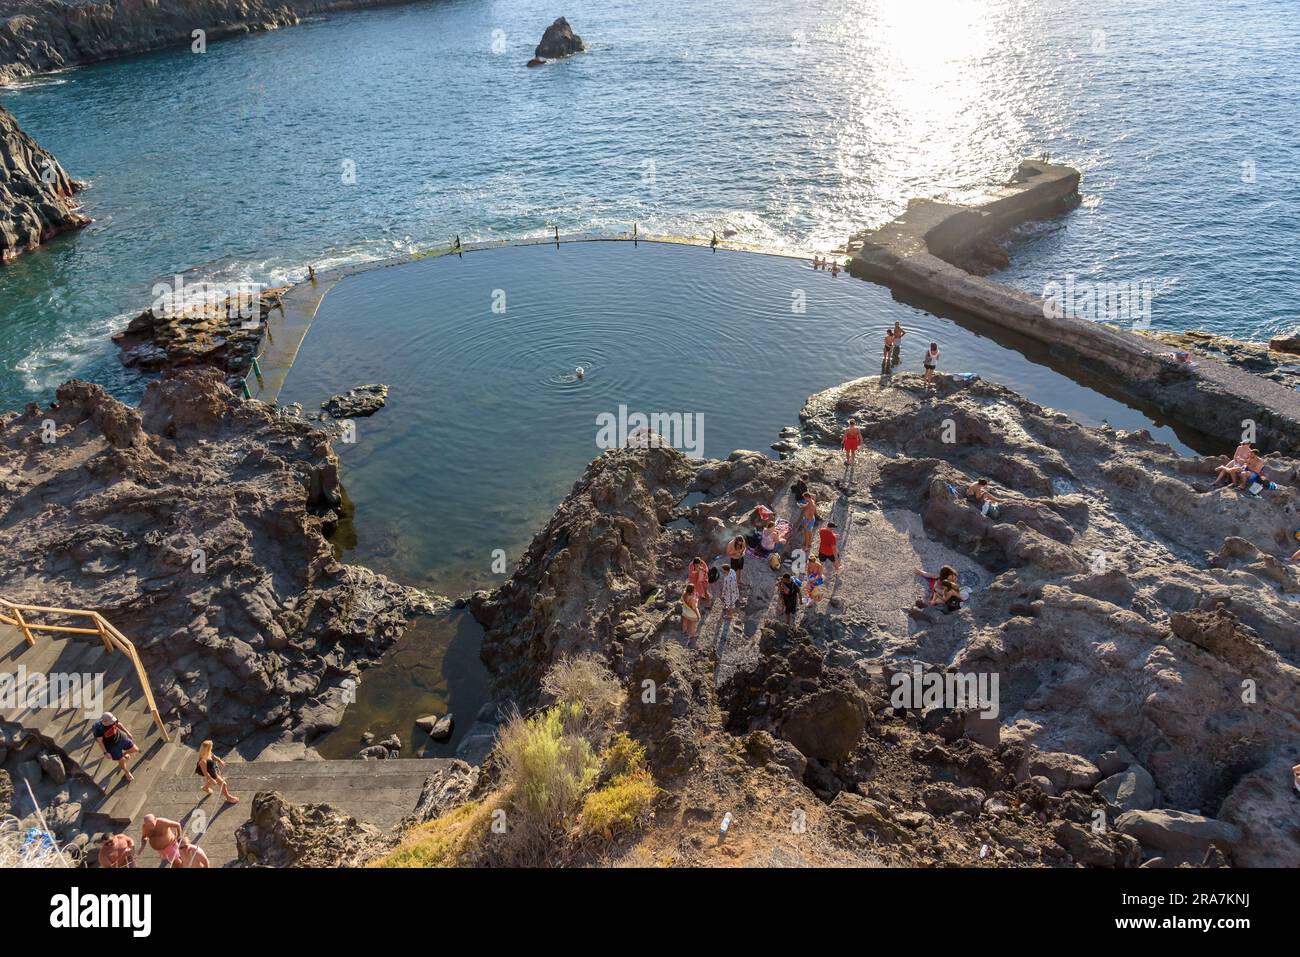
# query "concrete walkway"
(377, 792)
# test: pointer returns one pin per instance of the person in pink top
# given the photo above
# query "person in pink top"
(698, 574)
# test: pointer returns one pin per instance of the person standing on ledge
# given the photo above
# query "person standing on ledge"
(311, 273)
(887, 357)
(713, 243)
(930, 361)
(899, 332)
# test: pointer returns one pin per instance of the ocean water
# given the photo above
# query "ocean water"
(785, 125)
(791, 124)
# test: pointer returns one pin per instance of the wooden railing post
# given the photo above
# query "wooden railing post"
(22, 626)
(103, 635)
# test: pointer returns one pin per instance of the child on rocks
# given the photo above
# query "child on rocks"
(730, 592)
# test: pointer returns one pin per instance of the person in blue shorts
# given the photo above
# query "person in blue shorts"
(118, 743)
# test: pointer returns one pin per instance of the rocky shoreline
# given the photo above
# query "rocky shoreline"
(1120, 600)
(37, 36)
(198, 524)
(943, 252)
(1123, 603)
(37, 197)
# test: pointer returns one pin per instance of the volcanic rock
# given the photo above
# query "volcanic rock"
(36, 195)
(559, 41)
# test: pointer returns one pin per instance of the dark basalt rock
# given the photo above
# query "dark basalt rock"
(36, 195)
(558, 41)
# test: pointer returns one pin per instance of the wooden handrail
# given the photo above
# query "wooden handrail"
(112, 638)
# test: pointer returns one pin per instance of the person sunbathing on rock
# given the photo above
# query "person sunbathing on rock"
(1231, 467)
(977, 493)
(943, 586)
(813, 582)
(774, 538)
(1252, 471)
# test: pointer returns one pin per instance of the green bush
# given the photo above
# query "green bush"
(447, 841)
(621, 805)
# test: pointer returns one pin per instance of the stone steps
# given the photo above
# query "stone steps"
(378, 792)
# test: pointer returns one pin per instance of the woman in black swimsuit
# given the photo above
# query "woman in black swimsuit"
(209, 768)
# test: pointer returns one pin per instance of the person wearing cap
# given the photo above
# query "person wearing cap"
(116, 741)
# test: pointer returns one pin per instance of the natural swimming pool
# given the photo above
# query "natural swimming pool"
(487, 426)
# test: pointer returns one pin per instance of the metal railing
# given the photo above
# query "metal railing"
(12, 613)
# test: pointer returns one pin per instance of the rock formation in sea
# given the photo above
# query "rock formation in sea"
(36, 194)
(197, 523)
(559, 41)
(1143, 627)
(206, 335)
(37, 36)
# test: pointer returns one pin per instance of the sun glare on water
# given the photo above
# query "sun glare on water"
(925, 95)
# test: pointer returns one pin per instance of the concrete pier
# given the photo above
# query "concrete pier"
(932, 248)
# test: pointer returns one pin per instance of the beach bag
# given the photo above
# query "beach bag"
(774, 561)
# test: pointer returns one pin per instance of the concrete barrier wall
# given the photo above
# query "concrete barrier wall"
(1213, 397)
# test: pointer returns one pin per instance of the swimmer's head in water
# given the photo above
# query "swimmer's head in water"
(580, 372)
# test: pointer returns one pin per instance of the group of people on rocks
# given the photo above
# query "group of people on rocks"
(1245, 470)
(804, 583)
(892, 354)
(165, 836)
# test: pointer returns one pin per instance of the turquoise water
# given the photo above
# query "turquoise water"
(792, 124)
